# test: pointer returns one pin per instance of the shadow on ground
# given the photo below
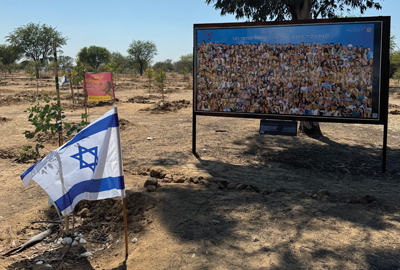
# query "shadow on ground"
(301, 205)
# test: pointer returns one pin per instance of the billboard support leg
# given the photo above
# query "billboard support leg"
(384, 150)
(194, 135)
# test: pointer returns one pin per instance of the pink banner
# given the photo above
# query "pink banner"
(99, 86)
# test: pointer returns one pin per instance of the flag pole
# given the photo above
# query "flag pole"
(85, 95)
(125, 227)
(60, 138)
(121, 172)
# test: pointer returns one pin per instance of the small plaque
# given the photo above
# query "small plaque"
(271, 127)
(99, 98)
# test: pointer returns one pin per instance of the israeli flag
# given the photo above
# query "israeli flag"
(88, 167)
(64, 81)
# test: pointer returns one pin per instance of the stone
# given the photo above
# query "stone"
(204, 182)
(166, 180)
(151, 182)
(151, 188)
(219, 180)
(74, 244)
(216, 221)
(48, 265)
(82, 241)
(169, 176)
(179, 179)
(134, 240)
(39, 262)
(84, 212)
(157, 173)
(214, 185)
(240, 186)
(67, 241)
(220, 185)
(231, 186)
(86, 254)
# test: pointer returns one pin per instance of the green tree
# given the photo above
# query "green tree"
(149, 74)
(78, 74)
(30, 70)
(65, 62)
(9, 55)
(141, 53)
(160, 78)
(166, 65)
(280, 10)
(94, 56)
(47, 117)
(396, 76)
(114, 68)
(394, 63)
(119, 59)
(185, 63)
(35, 41)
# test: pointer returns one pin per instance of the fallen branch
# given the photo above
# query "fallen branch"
(33, 241)
(46, 221)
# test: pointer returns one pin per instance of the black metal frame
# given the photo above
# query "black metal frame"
(383, 75)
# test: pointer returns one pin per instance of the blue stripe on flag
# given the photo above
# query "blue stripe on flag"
(29, 170)
(104, 124)
(92, 186)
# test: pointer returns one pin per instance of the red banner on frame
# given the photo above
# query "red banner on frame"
(100, 86)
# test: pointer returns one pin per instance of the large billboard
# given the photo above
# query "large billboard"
(322, 70)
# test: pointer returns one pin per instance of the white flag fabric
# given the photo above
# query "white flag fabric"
(88, 167)
(64, 80)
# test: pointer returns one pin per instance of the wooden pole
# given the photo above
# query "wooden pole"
(60, 138)
(121, 171)
(125, 227)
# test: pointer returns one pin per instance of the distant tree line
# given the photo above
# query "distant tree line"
(30, 47)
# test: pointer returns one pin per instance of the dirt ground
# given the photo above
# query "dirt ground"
(248, 201)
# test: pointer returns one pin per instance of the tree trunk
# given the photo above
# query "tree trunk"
(37, 73)
(303, 12)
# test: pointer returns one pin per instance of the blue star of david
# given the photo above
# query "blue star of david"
(83, 164)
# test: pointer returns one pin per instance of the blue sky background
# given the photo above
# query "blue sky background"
(114, 24)
(355, 34)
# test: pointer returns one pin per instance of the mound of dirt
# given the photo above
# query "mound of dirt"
(140, 99)
(173, 106)
(4, 119)
(124, 124)
(102, 103)
(7, 153)
(8, 100)
(395, 112)
(109, 213)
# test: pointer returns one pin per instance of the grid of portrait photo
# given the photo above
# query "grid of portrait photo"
(301, 78)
